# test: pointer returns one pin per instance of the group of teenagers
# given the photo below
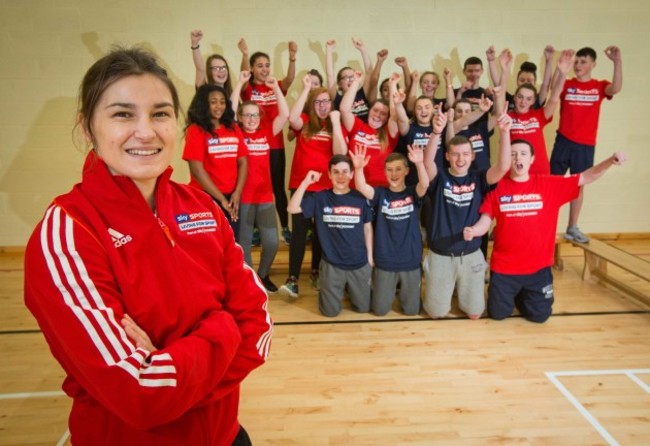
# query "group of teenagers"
(139, 284)
(373, 162)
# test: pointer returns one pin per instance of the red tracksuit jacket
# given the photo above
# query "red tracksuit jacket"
(99, 253)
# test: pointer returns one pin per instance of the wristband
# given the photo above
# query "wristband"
(292, 60)
(195, 47)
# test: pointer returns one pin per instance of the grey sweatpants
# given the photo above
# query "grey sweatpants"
(264, 215)
(333, 281)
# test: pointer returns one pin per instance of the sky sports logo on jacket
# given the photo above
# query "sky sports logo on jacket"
(196, 222)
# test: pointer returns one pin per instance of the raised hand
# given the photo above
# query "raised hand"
(293, 49)
(401, 61)
(565, 62)
(490, 53)
(196, 36)
(382, 54)
(440, 120)
(416, 153)
(619, 158)
(484, 103)
(505, 122)
(613, 52)
(359, 157)
(358, 44)
(549, 52)
(243, 46)
(244, 76)
(312, 177)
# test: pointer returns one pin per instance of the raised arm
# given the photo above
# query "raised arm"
(200, 77)
(242, 80)
(597, 171)
(397, 111)
(451, 125)
(243, 48)
(295, 116)
(329, 68)
(490, 55)
(549, 52)
(406, 72)
(345, 107)
(376, 74)
(439, 123)
(564, 64)
(412, 92)
(449, 88)
(502, 166)
(484, 106)
(367, 66)
(291, 70)
(360, 161)
(294, 206)
(283, 108)
(339, 145)
(416, 156)
(614, 54)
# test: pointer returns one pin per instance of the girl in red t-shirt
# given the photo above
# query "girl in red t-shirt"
(379, 135)
(215, 150)
(258, 91)
(318, 137)
(257, 209)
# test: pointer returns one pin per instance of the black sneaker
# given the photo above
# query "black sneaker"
(270, 286)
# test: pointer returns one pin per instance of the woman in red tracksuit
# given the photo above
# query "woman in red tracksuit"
(136, 281)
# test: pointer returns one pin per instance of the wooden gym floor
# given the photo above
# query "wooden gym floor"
(582, 378)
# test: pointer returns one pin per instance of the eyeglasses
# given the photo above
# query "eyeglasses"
(250, 115)
(219, 68)
(347, 78)
(319, 102)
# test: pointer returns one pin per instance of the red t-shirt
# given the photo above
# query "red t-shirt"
(311, 154)
(526, 220)
(362, 133)
(265, 98)
(580, 109)
(218, 152)
(258, 188)
(530, 127)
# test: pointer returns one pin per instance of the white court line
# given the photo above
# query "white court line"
(15, 396)
(552, 376)
(64, 438)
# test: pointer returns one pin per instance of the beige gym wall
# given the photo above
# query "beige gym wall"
(46, 46)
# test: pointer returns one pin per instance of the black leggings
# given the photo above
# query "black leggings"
(242, 438)
(278, 165)
(300, 225)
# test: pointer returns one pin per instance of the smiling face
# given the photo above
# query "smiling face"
(461, 109)
(378, 115)
(218, 71)
(340, 174)
(522, 158)
(345, 78)
(524, 100)
(133, 129)
(423, 111)
(460, 157)
(396, 172)
(249, 116)
(260, 69)
(429, 84)
(218, 104)
(322, 105)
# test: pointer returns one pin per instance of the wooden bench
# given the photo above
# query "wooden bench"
(599, 254)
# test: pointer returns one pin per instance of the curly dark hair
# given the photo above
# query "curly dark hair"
(199, 111)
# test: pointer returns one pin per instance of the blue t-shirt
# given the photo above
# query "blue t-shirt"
(417, 134)
(455, 202)
(339, 223)
(479, 136)
(398, 243)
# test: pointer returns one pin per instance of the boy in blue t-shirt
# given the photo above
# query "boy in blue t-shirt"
(397, 243)
(343, 224)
